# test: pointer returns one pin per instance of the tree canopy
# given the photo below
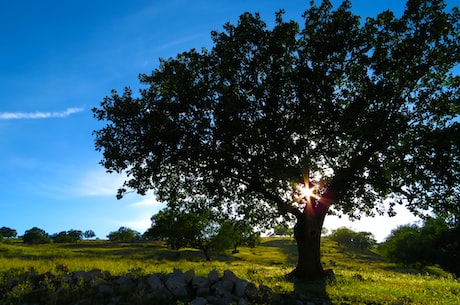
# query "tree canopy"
(359, 110)
(8, 232)
(434, 242)
(68, 236)
(201, 229)
(124, 234)
(35, 236)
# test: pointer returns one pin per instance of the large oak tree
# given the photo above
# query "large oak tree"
(362, 112)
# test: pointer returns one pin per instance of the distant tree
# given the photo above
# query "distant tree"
(124, 234)
(235, 233)
(75, 234)
(338, 113)
(183, 229)
(89, 234)
(346, 237)
(201, 229)
(70, 236)
(36, 236)
(8, 232)
(283, 230)
(402, 244)
(62, 237)
(364, 240)
(343, 236)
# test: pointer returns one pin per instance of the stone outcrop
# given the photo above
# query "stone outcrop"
(99, 287)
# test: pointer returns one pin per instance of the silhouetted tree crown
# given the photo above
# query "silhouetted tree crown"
(363, 110)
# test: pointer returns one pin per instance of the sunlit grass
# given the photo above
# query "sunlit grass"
(362, 277)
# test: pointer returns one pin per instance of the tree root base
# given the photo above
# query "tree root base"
(327, 275)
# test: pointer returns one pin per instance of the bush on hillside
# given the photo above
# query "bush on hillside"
(348, 238)
(435, 242)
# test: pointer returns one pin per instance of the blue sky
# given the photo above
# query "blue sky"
(58, 59)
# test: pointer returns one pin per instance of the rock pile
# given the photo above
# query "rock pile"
(99, 287)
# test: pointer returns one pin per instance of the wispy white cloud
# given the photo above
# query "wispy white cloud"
(99, 183)
(150, 201)
(140, 225)
(181, 41)
(39, 114)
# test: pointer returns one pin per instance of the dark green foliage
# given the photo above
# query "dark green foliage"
(70, 236)
(402, 245)
(283, 230)
(200, 229)
(364, 240)
(433, 243)
(182, 229)
(348, 238)
(235, 233)
(449, 257)
(8, 232)
(366, 108)
(124, 234)
(89, 234)
(36, 236)
(62, 237)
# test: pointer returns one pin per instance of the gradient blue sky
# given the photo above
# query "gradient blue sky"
(58, 59)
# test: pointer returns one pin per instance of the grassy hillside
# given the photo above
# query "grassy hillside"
(362, 277)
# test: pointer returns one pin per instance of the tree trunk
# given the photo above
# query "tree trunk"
(206, 253)
(307, 233)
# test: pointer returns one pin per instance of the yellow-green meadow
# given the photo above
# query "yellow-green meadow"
(361, 277)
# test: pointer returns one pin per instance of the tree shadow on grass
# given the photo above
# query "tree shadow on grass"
(357, 254)
(310, 292)
(143, 250)
(113, 249)
(287, 246)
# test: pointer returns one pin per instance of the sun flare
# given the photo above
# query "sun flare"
(306, 193)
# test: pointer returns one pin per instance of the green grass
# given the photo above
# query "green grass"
(362, 277)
